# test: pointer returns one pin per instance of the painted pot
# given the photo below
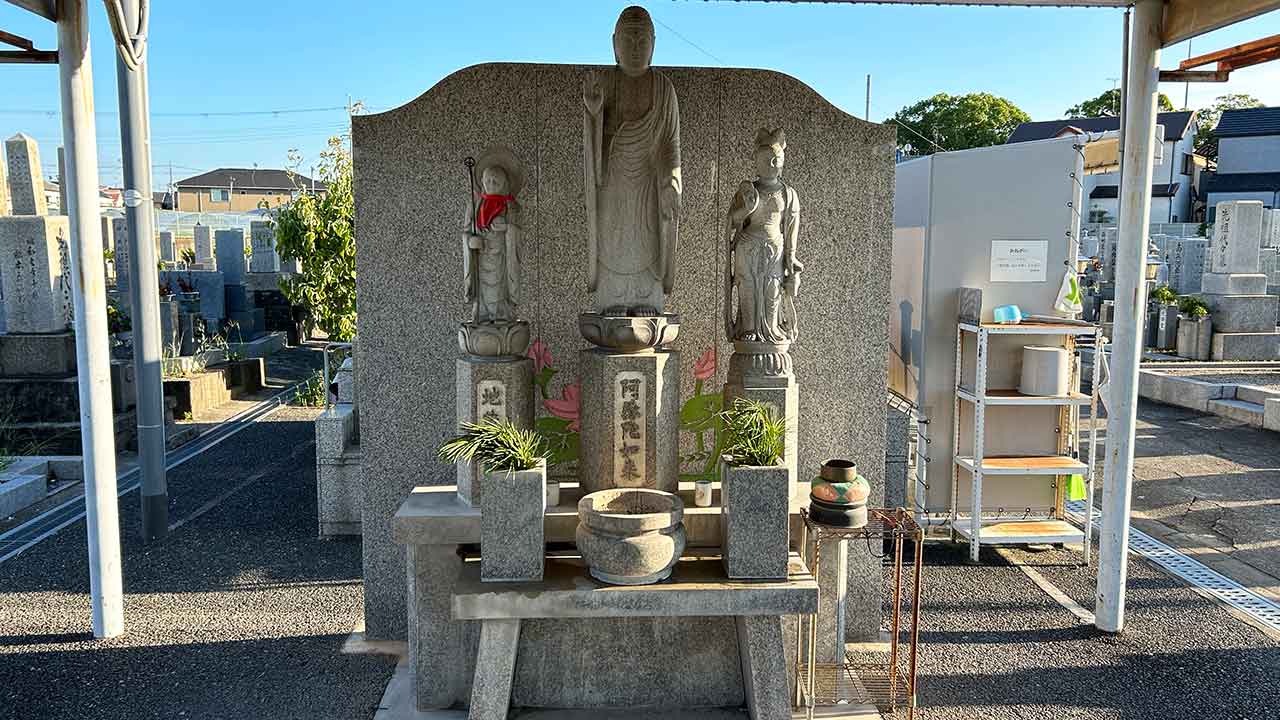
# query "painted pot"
(630, 536)
(838, 495)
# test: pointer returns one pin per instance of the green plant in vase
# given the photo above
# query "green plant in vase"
(755, 492)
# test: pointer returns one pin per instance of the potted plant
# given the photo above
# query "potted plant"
(1195, 329)
(755, 492)
(513, 496)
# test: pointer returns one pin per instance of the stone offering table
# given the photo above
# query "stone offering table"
(653, 660)
(697, 589)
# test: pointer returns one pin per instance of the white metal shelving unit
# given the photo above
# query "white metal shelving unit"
(978, 527)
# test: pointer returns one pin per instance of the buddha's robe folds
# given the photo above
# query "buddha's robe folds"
(633, 198)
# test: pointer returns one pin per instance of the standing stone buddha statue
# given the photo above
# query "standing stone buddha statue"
(632, 165)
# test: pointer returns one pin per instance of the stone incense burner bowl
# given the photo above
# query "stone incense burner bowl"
(630, 536)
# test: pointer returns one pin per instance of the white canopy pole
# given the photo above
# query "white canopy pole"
(1141, 86)
(97, 434)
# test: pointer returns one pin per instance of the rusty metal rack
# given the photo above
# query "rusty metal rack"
(884, 679)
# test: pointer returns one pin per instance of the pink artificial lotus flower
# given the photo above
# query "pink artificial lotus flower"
(541, 355)
(705, 368)
(566, 408)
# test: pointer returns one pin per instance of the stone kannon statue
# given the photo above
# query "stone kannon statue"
(763, 225)
(491, 258)
(631, 136)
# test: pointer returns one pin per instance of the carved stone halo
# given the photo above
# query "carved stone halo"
(629, 333)
(501, 157)
(496, 339)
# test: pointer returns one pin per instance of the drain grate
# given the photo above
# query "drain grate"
(1194, 572)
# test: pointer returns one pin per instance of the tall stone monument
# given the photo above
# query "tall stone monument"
(5, 205)
(495, 379)
(26, 184)
(35, 273)
(229, 247)
(203, 240)
(168, 248)
(763, 273)
(1244, 315)
(262, 239)
(1185, 259)
(630, 380)
(120, 231)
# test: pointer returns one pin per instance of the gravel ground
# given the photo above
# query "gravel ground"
(1262, 378)
(240, 613)
(995, 646)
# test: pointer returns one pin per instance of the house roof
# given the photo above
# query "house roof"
(1240, 182)
(249, 179)
(1249, 122)
(1175, 126)
(1111, 192)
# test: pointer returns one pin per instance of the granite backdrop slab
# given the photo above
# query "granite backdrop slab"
(410, 187)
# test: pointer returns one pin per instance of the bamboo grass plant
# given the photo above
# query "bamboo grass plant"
(497, 445)
(754, 435)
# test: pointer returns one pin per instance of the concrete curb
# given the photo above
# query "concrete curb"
(1256, 406)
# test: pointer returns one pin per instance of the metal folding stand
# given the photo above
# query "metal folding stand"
(860, 678)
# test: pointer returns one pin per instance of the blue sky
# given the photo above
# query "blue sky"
(242, 57)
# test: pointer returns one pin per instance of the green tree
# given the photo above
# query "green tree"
(956, 122)
(1108, 105)
(318, 229)
(1206, 142)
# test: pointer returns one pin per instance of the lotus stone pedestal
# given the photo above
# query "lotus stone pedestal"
(491, 387)
(630, 419)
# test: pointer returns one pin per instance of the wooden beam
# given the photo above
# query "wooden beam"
(1235, 51)
(28, 57)
(16, 41)
(1185, 19)
(1195, 75)
(47, 9)
(1255, 58)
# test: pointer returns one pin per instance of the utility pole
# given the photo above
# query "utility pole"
(867, 115)
(135, 147)
(93, 369)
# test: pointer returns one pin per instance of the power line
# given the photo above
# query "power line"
(235, 113)
(689, 42)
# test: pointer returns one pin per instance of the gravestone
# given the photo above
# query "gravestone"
(210, 286)
(1185, 258)
(120, 233)
(409, 159)
(26, 184)
(168, 248)
(5, 206)
(203, 239)
(35, 272)
(263, 240)
(1244, 315)
(63, 208)
(229, 248)
(1271, 228)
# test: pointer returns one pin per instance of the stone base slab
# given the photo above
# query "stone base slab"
(21, 491)
(1240, 284)
(1246, 346)
(1242, 313)
(38, 355)
(630, 400)
(502, 386)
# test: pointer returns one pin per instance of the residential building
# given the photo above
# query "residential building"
(1173, 180)
(1248, 159)
(241, 189)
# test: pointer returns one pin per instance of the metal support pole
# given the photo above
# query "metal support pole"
(135, 146)
(1141, 86)
(90, 295)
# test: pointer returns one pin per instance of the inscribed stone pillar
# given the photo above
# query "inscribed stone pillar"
(168, 248)
(630, 419)
(496, 387)
(35, 274)
(26, 185)
(263, 240)
(203, 239)
(229, 246)
(5, 207)
(1237, 237)
(120, 232)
